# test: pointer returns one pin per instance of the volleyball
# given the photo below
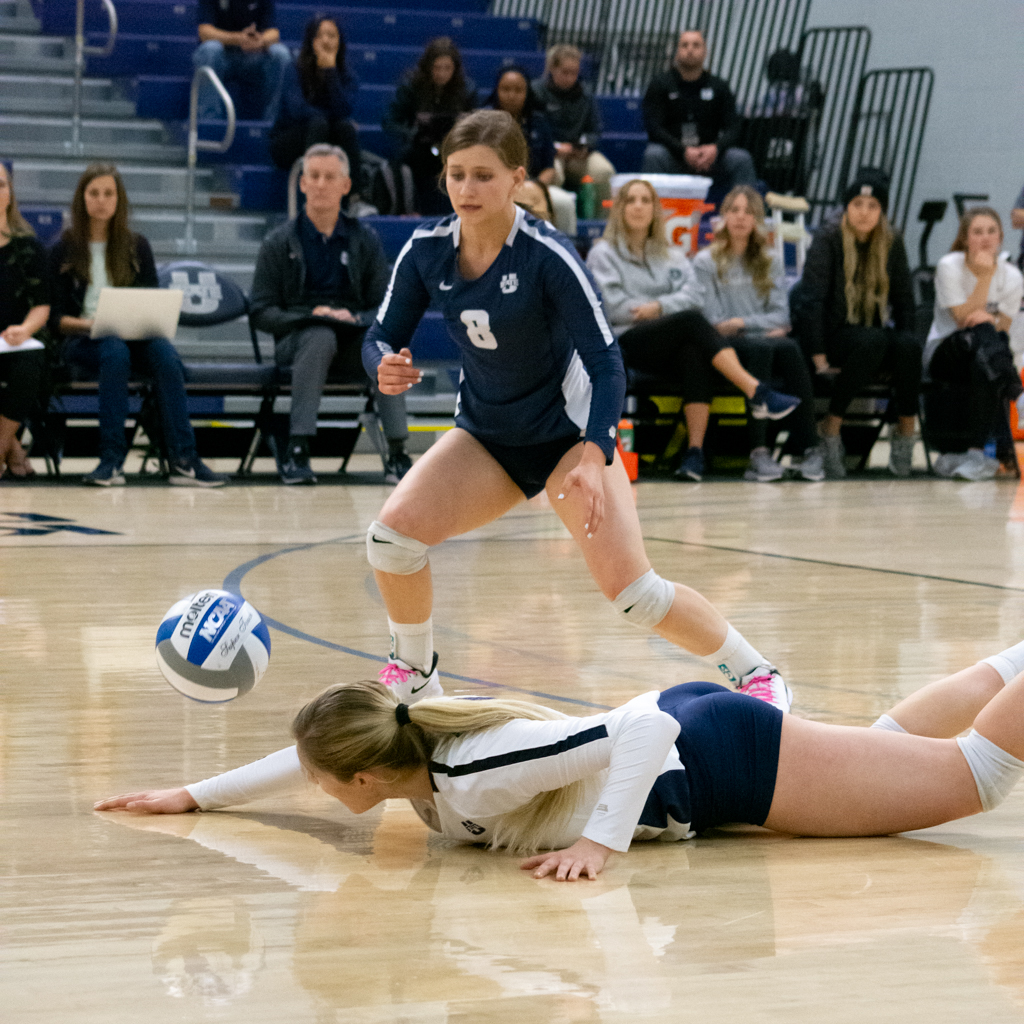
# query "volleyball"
(213, 646)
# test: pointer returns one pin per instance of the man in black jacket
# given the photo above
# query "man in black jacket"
(691, 121)
(319, 280)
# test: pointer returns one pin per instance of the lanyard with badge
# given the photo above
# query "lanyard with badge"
(689, 134)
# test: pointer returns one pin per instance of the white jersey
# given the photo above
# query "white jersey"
(620, 756)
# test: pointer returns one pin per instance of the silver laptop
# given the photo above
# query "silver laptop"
(136, 314)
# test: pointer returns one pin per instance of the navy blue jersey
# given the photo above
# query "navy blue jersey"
(539, 360)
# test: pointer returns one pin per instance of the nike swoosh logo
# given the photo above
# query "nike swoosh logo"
(375, 541)
(445, 287)
(416, 689)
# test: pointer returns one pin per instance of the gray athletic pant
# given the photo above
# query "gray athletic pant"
(312, 352)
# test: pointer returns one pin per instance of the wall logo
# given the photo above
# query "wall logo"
(202, 297)
(32, 524)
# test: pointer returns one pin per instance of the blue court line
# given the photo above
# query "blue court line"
(233, 584)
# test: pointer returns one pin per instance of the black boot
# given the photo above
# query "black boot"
(295, 469)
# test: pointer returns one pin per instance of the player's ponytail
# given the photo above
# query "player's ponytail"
(352, 727)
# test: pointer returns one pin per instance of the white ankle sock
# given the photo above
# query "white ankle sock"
(735, 658)
(1009, 663)
(413, 643)
(887, 723)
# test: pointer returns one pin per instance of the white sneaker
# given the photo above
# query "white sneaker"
(763, 468)
(766, 684)
(812, 467)
(410, 684)
(976, 466)
(947, 463)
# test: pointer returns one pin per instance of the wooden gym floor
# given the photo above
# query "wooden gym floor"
(299, 912)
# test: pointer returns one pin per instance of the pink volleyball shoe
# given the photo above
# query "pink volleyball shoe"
(765, 683)
(410, 684)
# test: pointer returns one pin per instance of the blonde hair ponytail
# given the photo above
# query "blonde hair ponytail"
(352, 727)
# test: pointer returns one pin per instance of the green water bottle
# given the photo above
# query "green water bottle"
(585, 198)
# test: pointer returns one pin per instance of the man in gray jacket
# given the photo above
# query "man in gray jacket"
(319, 280)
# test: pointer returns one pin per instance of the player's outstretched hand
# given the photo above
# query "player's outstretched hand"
(150, 801)
(584, 859)
(585, 486)
(396, 373)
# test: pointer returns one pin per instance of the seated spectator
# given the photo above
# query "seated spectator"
(533, 196)
(319, 280)
(316, 99)
(745, 297)
(977, 294)
(427, 101)
(575, 121)
(512, 94)
(238, 40)
(691, 121)
(854, 315)
(1017, 222)
(98, 251)
(24, 308)
(653, 301)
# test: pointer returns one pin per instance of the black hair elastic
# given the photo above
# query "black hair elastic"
(402, 714)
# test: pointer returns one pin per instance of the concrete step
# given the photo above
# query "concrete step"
(32, 136)
(233, 237)
(17, 16)
(42, 54)
(52, 95)
(53, 182)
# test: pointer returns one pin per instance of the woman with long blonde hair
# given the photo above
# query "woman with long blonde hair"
(745, 297)
(24, 308)
(666, 766)
(654, 304)
(856, 317)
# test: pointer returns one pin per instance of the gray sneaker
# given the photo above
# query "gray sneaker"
(946, 464)
(901, 455)
(976, 466)
(813, 465)
(763, 468)
(834, 456)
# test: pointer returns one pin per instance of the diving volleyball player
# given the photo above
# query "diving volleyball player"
(539, 401)
(662, 766)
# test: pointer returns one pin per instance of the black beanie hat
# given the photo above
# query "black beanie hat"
(870, 181)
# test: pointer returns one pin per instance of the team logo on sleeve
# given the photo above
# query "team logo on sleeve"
(509, 283)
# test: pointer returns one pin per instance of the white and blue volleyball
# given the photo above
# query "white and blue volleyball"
(213, 646)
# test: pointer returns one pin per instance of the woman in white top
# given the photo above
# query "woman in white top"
(654, 306)
(977, 293)
(745, 297)
(663, 766)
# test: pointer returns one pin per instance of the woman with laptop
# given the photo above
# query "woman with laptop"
(100, 251)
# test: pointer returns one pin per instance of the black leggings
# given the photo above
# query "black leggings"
(678, 348)
(864, 352)
(20, 376)
(781, 360)
(978, 359)
(288, 144)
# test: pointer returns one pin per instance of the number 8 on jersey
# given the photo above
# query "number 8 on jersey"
(478, 327)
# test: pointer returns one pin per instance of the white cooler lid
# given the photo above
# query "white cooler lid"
(668, 186)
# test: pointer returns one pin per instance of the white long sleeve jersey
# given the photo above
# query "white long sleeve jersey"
(480, 777)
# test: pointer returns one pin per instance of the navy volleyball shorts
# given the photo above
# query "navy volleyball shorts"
(729, 745)
(530, 465)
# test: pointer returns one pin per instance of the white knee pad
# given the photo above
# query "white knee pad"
(995, 771)
(646, 601)
(393, 552)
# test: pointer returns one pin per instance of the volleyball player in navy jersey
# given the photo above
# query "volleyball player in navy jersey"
(539, 399)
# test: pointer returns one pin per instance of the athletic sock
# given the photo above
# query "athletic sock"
(736, 658)
(413, 643)
(887, 723)
(1009, 663)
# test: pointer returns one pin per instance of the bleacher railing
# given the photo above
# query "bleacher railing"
(187, 245)
(81, 52)
(887, 130)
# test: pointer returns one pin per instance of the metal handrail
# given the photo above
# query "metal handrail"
(293, 189)
(81, 52)
(195, 144)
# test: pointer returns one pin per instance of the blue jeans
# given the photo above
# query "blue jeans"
(258, 75)
(112, 359)
(733, 167)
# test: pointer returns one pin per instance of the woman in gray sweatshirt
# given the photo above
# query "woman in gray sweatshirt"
(653, 302)
(745, 297)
